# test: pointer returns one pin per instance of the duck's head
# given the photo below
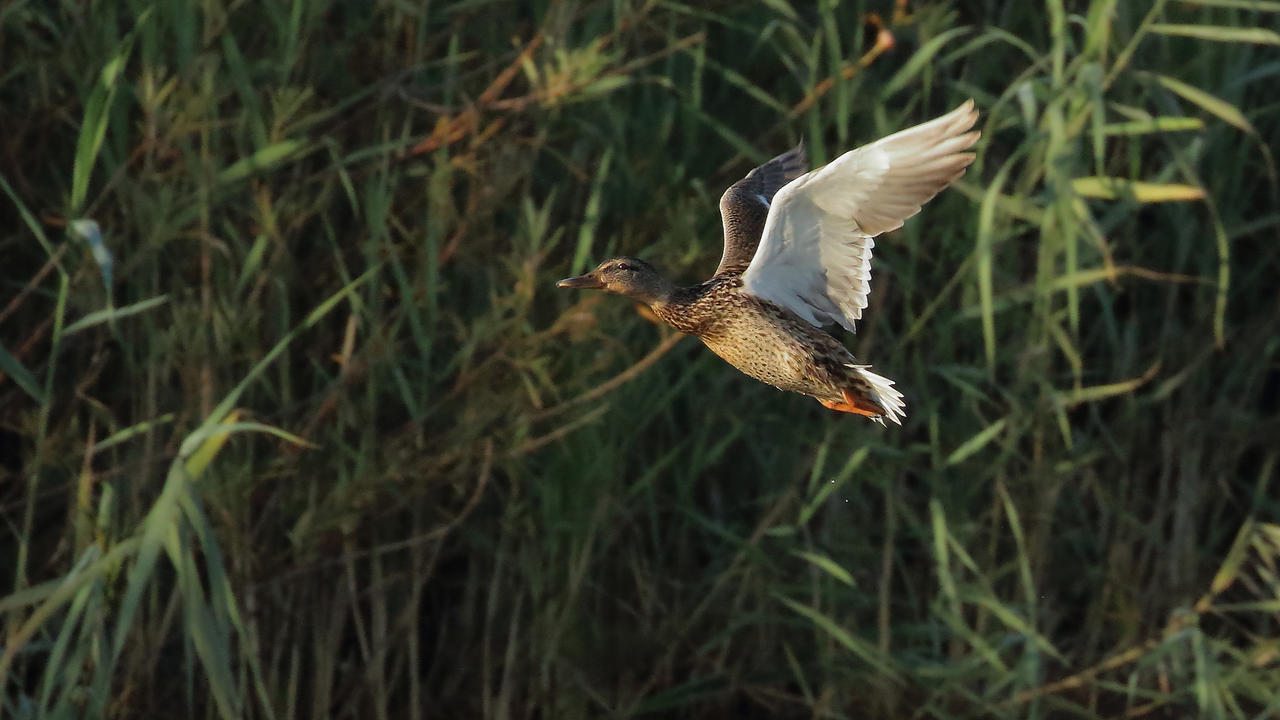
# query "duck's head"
(628, 276)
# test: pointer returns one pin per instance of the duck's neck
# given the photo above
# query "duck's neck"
(680, 309)
(657, 291)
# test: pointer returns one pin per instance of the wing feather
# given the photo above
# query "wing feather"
(814, 255)
(744, 207)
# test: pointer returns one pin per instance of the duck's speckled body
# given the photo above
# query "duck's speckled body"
(767, 342)
(797, 256)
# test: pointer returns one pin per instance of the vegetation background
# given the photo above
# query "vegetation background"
(294, 424)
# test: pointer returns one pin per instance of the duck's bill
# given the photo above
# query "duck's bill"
(581, 282)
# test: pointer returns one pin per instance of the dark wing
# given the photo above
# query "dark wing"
(745, 206)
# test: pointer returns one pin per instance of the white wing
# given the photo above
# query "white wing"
(815, 254)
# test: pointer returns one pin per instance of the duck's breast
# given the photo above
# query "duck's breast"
(775, 346)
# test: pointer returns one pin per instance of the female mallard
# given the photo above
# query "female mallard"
(797, 256)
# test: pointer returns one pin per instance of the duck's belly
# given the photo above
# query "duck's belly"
(767, 351)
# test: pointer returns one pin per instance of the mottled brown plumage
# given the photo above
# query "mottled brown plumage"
(744, 207)
(767, 342)
(797, 255)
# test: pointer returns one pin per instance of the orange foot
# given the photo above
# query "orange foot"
(856, 405)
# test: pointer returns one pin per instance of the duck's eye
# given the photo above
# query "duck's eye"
(625, 267)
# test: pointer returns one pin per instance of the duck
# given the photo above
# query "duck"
(797, 259)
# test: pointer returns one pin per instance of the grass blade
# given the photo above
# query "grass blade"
(985, 264)
(827, 565)
(13, 367)
(977, 442)
(110, 315)
(1102, 392)
(93, 128)
(1111, 188)
(264, 159)
(1211, 104)
(862, 649)
(1254, 35)
(591, 216)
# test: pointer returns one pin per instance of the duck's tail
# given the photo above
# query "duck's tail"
(884, 395)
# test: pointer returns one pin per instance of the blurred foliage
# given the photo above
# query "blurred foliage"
(293, 422)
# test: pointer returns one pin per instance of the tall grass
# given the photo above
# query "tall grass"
(293, 423)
